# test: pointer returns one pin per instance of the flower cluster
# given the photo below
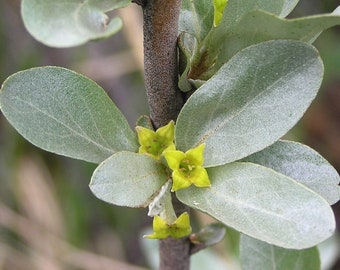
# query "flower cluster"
(180, 228)
(187, 168)
(154, 143)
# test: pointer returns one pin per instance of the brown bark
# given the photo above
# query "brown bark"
(160, 59)
(164, 98)
(174, 254)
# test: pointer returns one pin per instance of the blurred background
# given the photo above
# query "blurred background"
(48, 217)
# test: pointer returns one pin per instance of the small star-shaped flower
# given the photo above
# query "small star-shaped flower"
(187, 168)
(154, 143)
(180, 228)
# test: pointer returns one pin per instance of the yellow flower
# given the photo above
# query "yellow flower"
(180, 228)
(156, 142)
(219, 6)
(187, 168)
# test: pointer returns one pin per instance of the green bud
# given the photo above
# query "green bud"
(219, 6)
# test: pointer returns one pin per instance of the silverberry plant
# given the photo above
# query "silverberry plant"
(225, 81)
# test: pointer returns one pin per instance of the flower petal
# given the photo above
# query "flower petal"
(195, 155)
(171, 147)
(181, 227)
(160, 229)
(142, 150)
(179, 181)
(167, 132)
(183, 221)
(174, 158)
(145, 136)
(199, 177)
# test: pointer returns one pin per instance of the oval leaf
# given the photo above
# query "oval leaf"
(258, 255)
(71, 22)
(236, 9)
(128, 179)
(263, 204)
(66, 113)
(251, 101)
(259, 26)
(303, 164)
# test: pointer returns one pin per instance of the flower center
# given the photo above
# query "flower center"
(157, 147)
(185, 167)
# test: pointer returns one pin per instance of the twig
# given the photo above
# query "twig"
(164, 98)
(160, 59)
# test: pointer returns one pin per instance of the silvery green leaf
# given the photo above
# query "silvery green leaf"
(66, 113)
(251, 101)
(258, 255)
(263, 204)
(128, 179)
(236, 9)
(60, 23)
(258, 26)
(303, 164)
